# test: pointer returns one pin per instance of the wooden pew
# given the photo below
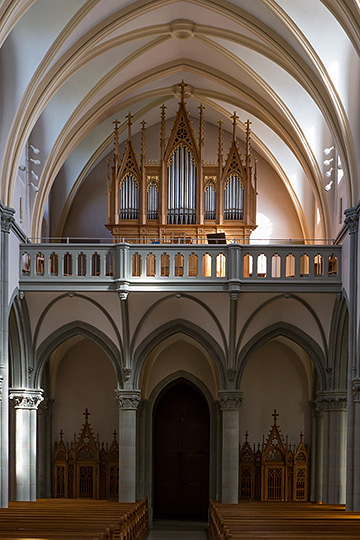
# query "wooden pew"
(282, 521)
(65, 519)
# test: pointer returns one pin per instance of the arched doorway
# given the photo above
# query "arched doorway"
(181, 453)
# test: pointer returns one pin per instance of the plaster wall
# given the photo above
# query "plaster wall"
(85, 379)
(179, 354)
(275, 378)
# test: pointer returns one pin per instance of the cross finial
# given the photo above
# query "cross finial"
(115, 434)
(143, 124)
(301, 437)
(129, 119)
(61, 434)
(246, 436)
(86, 414)
(234, 118)
(275, 415)
(182, 90)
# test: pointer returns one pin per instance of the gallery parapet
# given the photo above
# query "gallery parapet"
(178, 267)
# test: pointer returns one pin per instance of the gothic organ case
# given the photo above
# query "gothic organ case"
(181, 197)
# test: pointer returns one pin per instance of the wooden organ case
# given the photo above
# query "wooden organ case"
(86, 468)
(181, 197)
(273, 471)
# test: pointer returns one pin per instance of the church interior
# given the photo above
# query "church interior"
(179, 253)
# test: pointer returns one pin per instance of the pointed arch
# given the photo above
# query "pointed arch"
(179, 326)
(294, 334)
(20, 346)
(68, 331)
(338, 344)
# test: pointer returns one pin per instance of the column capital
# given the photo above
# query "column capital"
(352, 219)
(355, 388)
(7, 218)
(24, 398)
(128, 399)
(230, 400)
(332, 401)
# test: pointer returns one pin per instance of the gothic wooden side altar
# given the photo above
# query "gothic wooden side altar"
(86, 468)
(274, 470)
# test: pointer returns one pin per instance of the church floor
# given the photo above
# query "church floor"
(177, 530)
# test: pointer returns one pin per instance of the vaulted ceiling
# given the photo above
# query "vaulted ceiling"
(70, 68)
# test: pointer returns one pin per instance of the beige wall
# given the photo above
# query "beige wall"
(85, 378)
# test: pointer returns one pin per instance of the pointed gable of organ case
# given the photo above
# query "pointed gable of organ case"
(181, 197)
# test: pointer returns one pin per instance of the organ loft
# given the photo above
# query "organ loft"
(181, 197)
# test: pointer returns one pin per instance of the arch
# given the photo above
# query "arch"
(66, 332)
(83, 297)
(181, 452)
(145, 440)
(188, 297)
(338, 344)
(288, 296)
(21, 360)
(179, 326)
(293, 333)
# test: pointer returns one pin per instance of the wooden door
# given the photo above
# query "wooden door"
(181, 454)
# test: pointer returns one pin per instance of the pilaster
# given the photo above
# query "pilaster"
(355, 390)
(7, 222)
(230, 403)
(352, 223)
(26, 402)
(128, 403)
(334, 408)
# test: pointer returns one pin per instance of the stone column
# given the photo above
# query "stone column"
(26, 403)
(356, 443)
(128, 402)
(334, 406)
(316, 452)
(44, 450)
(352, 223)
(7, 222)
(230, 403)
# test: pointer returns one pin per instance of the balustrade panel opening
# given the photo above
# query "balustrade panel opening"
(165, 265)
(276, 266)
(54, 264)
(179, 265)
(68, 264)
(290, 266)
(318, 265)
(221, 265)
(304, 265)
(95, 264)
(136, 265)
(261, 265)
(81, 264)
(193, 262)
(206, 265)
(40, 264)
(247, 265)
(150, 265)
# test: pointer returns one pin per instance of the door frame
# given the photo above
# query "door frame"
(145, 439)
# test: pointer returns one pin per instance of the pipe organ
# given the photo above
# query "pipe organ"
(181, 197)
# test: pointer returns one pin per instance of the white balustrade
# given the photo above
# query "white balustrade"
(231, 267)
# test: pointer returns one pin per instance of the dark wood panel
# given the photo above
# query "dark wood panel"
(181, 453)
